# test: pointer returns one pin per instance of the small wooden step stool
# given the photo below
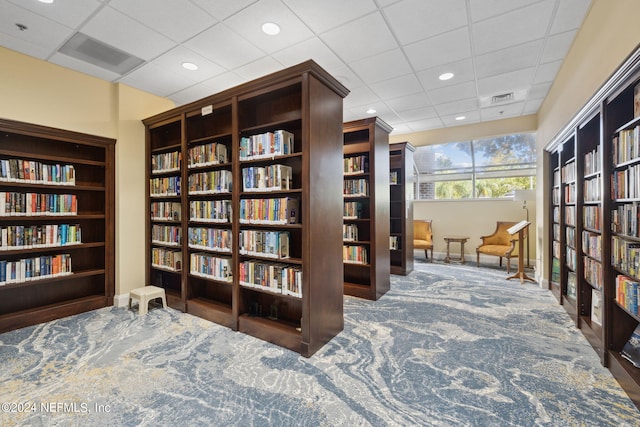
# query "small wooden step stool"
(146, 294)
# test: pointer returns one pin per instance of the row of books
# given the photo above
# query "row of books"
(570, 215)
(355, 187)
(572, 285)
(215, 211)
(34, 172)
(592, 189)
(556, 178)
(211, 267)
(626, 145)
(394, 177)
(166, 234)
(39, 236)
(591, 217)
(271, 277)
(625, 255)
(270, 244)
(213, 153)
(555, 194)
(627, 293)
(211, 182)
(592, 162)
(570, 258)
(266, 145)
(596, 306)
(166, 259)
(217, 239)
(570, 193)
(355, 254)
(352, 210)
(570, 236)
(350, 232)
(624, 219)
(283, 210)
(267, 178)
(556, 249)
(36, 268)
(593, 272)
(591, 244)
(394, 243)
(556, 232)
(19, 204)
(166, 211)
(569, 172)
(625, 184)
(166, 162)
(354, 165)
(164, 186)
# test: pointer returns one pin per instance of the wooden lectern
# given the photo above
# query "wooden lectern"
(520, 228)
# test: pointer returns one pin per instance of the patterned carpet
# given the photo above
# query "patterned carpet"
(447, 346)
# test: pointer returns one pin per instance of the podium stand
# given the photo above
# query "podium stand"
(520, 229)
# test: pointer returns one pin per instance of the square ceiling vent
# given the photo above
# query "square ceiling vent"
(502, 98)
(90, 50)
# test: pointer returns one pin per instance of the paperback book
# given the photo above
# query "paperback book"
(631, 350)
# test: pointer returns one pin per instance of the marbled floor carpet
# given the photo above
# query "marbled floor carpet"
(447, 346)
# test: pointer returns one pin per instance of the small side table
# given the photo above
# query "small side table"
(456, 239)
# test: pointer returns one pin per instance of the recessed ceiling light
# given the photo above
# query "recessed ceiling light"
(446, 76)
(461, 117)
(371, 111)
(189, 66)
(270, 28)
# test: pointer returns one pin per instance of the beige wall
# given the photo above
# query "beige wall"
(472, 218)
(38, 92)
(609, 34)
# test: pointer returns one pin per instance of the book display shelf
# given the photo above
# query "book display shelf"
(366, 208)
(253, 230)
(604, 142)
(401, 207)
(57, 228)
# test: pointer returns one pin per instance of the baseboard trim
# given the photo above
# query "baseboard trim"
(120, 301)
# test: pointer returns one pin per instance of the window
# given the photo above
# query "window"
(483, 168)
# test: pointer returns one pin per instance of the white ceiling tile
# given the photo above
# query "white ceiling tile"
(261, 67)
(463, 71)
(396, 87)
(539, 90)
(360, 96)
(324, 15)
(557, 46)
(41, 38)
(366, 36)
(83, 67)
(508, 82)
(223, 82)
(547, 72)
(570, 15)
(457, 107)
(401, 129)
(155, 80)
(346, 76)
(411, 102)
(130, 36)
(453, 93)
(178, 20)
(442, 49)
(413, 20)
(380, 67)
(532, 106)
(428, 124)
(248, 23)
(470, 117)
(70, 13)
(191, 94)
(222, 9)
(509, 59)
(303, 51)
(225, 47)
(501, 112)
(173, 60)
(418, 114)
(483, 9)
(513, 28)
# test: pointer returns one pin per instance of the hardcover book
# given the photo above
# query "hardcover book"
(631, 350)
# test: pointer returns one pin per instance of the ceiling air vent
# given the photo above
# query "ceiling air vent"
(500, 99)
(90, 50)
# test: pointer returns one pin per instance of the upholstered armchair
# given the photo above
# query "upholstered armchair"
(500, 244)
(423, 236)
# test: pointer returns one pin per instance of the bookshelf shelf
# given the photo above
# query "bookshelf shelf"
(71, 176)
(602, 141)
(366, 190)
(272, 124)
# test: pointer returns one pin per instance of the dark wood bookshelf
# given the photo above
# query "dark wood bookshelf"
(401, 181)
(606, 227)
(306, 102)
(91, 283)
(368, 139)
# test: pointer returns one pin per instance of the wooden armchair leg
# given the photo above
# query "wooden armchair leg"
(426, 254)
(501, 261)
(477, 259)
